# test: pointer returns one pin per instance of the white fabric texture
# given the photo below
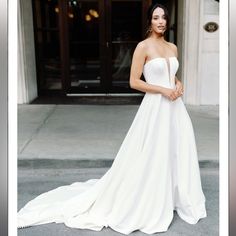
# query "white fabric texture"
(155, 172)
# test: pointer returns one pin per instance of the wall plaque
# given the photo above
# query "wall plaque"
(211, 27)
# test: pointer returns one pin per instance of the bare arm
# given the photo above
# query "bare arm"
(138, 61)
(177, 80)
(178, 83)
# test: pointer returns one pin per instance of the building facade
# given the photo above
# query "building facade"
(85, 46)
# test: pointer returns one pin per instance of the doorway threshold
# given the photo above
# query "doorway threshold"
(91, 99)
(104, 94)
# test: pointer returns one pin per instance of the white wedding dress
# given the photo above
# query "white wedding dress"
(155, 172)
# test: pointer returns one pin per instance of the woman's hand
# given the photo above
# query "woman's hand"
(171, 94)
(179, 87)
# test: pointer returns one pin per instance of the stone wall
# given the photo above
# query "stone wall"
(27, 83)
(200, 53)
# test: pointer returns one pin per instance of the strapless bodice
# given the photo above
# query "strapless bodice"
(156, 71)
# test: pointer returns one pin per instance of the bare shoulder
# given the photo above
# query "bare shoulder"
(172, 45)
(141, 48)
(174, 48)
(139, 57)
(142, 45)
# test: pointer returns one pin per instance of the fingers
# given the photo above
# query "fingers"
(180, 90)
(175, 94)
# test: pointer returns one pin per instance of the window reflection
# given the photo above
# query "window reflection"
(84, 44)
(126, 32)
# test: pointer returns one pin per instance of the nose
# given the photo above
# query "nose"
(161, 21)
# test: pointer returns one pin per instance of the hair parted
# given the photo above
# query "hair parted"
(149, 17)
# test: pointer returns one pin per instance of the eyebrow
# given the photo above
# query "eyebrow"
(159, 15)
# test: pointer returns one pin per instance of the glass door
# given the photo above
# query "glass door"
(125, 26)
(86, 36)
(86, 46)
(102, 36)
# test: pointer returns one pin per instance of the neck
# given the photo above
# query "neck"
(158, 37)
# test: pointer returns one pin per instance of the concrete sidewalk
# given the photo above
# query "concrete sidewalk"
(92, 132)
(62, 144)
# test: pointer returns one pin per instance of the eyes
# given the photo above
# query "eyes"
(159, 17)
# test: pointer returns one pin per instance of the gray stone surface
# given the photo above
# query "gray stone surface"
(78, 132)
(27, 82)
(97, 131)
(205, 121)
(31, 119)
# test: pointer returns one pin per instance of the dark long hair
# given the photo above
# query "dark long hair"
(150, 13)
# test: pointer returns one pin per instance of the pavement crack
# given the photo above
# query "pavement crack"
(38, 128)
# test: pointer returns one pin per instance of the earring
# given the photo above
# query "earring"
(149, 30)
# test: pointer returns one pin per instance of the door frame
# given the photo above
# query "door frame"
(105, 48)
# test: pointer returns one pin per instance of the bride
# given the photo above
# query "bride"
(155, 171)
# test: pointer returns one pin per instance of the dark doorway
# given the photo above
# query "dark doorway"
(86, 46)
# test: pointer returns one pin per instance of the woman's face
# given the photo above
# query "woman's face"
(158, 22)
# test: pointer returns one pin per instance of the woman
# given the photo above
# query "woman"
(154, 47)
(156, 168)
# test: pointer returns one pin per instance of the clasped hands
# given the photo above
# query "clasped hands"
(173, 94)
